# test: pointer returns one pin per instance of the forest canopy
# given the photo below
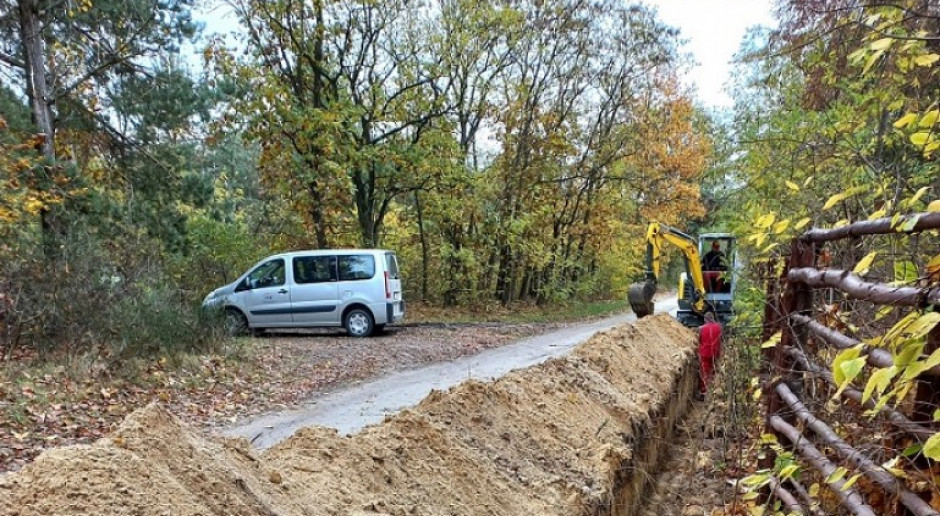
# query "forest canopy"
(508, 151)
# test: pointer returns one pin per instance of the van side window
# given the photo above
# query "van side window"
(356, 267)
(268, 274)
(314, 269)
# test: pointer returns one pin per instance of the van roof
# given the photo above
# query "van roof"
(331, 251)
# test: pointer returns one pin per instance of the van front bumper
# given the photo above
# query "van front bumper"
(395, 311)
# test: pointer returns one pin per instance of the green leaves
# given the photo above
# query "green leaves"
(878, 382)
(846, 366)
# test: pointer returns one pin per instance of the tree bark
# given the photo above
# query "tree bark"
(881, 226)
(857, 288)
(424, 247)
(37, 87)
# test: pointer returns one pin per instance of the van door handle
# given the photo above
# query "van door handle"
(282, 291)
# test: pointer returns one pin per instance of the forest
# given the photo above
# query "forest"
(510, 152)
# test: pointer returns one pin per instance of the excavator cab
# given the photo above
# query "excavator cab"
(708, 283)
(718, 262)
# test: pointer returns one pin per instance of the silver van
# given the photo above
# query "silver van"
(359, 289)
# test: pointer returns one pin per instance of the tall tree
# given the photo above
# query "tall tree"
(65, 58)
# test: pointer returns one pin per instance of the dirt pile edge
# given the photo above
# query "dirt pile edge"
(575, 435)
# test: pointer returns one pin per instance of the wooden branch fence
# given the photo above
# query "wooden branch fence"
(791, 370)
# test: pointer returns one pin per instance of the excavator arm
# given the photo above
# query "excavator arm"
(658, 235)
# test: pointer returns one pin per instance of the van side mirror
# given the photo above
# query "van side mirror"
(243, 285)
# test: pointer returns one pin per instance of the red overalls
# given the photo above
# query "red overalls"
(709, 348)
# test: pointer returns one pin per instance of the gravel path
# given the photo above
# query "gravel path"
(352, 408)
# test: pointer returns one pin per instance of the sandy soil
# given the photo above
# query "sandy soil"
(577, 435)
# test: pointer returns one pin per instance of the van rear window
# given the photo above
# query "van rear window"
(356, 267)
(391, 265)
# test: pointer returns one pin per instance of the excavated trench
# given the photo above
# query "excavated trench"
(579, 435)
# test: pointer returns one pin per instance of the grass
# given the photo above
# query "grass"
(519, 313)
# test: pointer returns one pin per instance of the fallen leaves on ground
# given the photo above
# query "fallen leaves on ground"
(43, 406)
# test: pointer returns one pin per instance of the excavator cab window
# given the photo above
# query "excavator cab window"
(717, 261)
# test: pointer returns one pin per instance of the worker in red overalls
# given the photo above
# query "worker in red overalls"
(709, 349)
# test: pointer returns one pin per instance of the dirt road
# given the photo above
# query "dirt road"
(353, 408)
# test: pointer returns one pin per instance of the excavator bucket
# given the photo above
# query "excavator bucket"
(640, 296)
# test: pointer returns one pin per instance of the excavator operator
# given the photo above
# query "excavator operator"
(713, 264)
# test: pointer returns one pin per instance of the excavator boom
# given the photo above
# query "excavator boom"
(640, 295)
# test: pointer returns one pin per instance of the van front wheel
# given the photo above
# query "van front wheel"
(234, 323)
(359, 322)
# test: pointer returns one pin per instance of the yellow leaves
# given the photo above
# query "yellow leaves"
(781, 226)
(837, 475)
(792, 186)
(878, 214)
(929, 118)
(802, 223)
(922, 325)
(33, 206)
(921, 138)
(872, 59)
(851, 482)
(789, 471)
(931, 448)
(835, 199)
(911, 201)
(881, 44)
(891, 467)
(757, 239)
(765, 221)
(772, 341)
(905, 120)
(861, 268)
(933, 268)
(841, 196)
(926, 60)
(934, 205)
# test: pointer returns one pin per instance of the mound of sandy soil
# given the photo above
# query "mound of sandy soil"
(575, 435)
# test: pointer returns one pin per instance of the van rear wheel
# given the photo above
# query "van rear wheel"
(359, 322)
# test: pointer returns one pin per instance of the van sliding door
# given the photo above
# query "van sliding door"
(314, 299)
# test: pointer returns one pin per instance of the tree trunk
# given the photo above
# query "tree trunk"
(424, 248)
(316, 213)
(40, 103)
(36, 86)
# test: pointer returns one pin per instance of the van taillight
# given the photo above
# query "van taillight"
(388, 290)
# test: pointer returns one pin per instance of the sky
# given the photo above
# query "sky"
(714, 30)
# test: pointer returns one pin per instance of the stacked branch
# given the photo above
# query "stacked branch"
(895, 417)
(882, 226)
(847, 495)
(857, 288)
(876, 356)
(871, 470)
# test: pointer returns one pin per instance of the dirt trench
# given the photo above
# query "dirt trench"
(579, 435)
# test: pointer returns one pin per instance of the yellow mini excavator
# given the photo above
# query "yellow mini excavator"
(708, 283)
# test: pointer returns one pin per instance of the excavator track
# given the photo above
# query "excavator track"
(640, 295)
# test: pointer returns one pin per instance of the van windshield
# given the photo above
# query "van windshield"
(391, 265)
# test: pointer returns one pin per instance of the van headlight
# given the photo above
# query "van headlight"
(213, 298)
